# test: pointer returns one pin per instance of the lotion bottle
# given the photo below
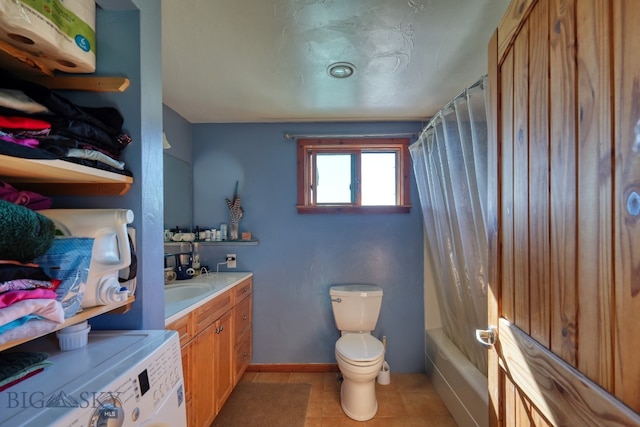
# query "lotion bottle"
(195, 256)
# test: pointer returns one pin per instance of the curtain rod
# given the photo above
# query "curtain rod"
(369, 135)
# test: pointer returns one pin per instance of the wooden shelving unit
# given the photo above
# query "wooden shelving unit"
(61, 177)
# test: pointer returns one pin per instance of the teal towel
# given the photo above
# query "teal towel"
(25, 234)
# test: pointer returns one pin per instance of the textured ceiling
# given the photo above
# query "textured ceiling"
(266, 60)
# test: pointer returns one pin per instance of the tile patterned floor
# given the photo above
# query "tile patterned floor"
(408, 401)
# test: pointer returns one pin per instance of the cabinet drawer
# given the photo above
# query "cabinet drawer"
(211, 311)
(242, 318)
(243, 290)
(243, 358)
(184, 327)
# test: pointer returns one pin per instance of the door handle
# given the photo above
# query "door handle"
(487, 337)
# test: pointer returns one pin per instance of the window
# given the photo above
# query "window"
(353, 175)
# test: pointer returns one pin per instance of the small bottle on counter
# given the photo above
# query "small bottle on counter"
(223, 231)
(207, 235)
(195, 258)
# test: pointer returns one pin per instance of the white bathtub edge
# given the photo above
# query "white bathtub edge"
(461, 386)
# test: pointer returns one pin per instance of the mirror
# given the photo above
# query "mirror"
(178, 193)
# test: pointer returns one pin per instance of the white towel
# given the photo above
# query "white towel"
(49, 309)
(33, 328)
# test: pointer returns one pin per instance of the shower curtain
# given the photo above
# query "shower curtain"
(450, 166)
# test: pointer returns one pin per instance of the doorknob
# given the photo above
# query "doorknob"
(486, 337)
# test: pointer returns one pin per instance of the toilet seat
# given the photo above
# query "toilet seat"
(359, 349)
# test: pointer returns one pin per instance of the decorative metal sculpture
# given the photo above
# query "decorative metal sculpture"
(235, 214)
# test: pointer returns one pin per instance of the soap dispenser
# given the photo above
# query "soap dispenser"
(195, 258)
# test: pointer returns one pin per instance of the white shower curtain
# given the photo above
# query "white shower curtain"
(450, 165)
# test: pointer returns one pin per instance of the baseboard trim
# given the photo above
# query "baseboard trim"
(293, 367)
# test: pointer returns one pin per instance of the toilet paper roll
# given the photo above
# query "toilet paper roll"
(60, 35)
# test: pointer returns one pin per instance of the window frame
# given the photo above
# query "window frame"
(307, 148)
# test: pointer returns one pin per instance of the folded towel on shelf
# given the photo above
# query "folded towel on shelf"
(30, 329)
(48, 309)
(14, 270)
(12, 362)
(26, 142)
(81, 153)
(23, 375)
(29, 199)
(25, 234)
(26, 284)
(11, 297)
(15, 365)
(19, 322)
(12, 122)
(71, 126)
(107, 119)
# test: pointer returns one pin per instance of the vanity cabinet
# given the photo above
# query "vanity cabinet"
(216, 349)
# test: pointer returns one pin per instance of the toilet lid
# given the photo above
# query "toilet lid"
(359, 347)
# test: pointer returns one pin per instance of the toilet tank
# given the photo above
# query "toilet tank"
(356, 307)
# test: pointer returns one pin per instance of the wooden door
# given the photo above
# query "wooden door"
(202, 356)
(223, 360)
(564, 106)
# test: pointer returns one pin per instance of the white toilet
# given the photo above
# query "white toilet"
(359, 354)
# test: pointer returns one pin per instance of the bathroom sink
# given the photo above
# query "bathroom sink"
(178, 292)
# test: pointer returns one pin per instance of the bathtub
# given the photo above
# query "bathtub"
(461, 386)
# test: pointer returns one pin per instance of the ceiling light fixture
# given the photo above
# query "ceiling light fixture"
(341, 70)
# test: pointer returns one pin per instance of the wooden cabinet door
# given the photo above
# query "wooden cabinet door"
(223, 362)
(203, 354)
(564, 109)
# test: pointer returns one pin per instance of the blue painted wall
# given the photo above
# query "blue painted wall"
(300, 256)
(179, 134)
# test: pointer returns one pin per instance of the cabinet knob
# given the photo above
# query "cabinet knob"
(244, 317)
(245, 354)
(245, 290)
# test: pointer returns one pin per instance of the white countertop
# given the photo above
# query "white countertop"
(219, 282)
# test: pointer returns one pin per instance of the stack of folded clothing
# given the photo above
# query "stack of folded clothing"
(38, 123)
(29, 199)
(28, 299)
(18, 366)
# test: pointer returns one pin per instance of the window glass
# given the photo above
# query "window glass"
(333, 178)
(378, 184)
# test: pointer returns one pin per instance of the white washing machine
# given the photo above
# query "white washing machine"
(119, 379)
